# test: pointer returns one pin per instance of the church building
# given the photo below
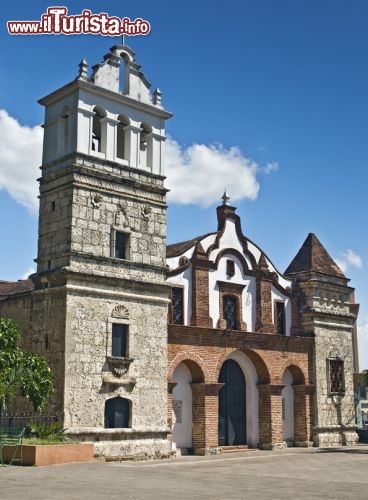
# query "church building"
(195, 346)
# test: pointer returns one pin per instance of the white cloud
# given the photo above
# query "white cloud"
(349, 259)
(363, 329)
(20, 152)
(30, 271)
(353, 259)
(270, 167)
(200, 173)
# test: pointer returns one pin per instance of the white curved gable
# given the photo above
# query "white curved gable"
(228, 244)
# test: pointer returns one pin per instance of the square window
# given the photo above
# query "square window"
(121, 245)
(119, 340)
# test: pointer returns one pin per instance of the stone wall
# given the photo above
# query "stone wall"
(325, 310)
(334, 423)
(83, 202)
(90, 380)
(40, 316)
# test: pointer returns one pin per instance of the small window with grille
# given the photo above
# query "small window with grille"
(336, 376)
(177, 306)
(280, 317)
(230, 305)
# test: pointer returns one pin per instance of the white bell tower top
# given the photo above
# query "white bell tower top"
(110, 115)
(135, 84)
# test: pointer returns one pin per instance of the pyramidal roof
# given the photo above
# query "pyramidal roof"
(313, 256)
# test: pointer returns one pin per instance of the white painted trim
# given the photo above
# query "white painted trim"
(287, 394)
(182, 431)
(184, 280)
(276, 295)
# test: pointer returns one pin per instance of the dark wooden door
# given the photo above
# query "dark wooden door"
(232, 415)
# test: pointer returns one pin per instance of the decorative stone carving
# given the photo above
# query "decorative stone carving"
(96, 200)
(121, 312)
(119, 366)
(330, 302)
(121, 216)
(183, 261)
(127, 382)
(118, 373)
(83, 70)
(146, 212)
(262, 263)
(335, 353)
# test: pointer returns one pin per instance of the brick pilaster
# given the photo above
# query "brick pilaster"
(205, 416)
(303, 395)
(270, 416)
(200, 289)
(294, 300)
(264, 321)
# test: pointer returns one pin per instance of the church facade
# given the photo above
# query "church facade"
(258, 358)
(196, 346)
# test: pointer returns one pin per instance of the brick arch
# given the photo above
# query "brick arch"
(258, 363)
(195, 364)
(297, 373)
(235, 253)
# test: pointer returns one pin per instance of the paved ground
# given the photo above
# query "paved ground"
(292, 474)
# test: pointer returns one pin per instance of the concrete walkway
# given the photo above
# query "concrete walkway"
(292, 474)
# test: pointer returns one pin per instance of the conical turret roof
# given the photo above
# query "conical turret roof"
(313, 256)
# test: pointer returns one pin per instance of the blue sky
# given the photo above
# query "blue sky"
(272, 89)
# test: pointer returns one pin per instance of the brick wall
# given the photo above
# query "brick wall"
(200, 290)
(270, 355)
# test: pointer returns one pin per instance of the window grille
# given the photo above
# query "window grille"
(280, 318)
(230, 312)
(177, 305)
(336, 369)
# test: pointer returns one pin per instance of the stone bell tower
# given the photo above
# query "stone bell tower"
(323, 308)
(100, 279)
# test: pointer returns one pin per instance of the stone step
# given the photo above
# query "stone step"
(237, 448)
(180, 452)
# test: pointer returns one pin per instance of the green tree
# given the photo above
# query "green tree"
(364, 378)
(21, 370)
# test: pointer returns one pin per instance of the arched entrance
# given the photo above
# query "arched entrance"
(187, 412)
(182, 407)
(232, 405)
